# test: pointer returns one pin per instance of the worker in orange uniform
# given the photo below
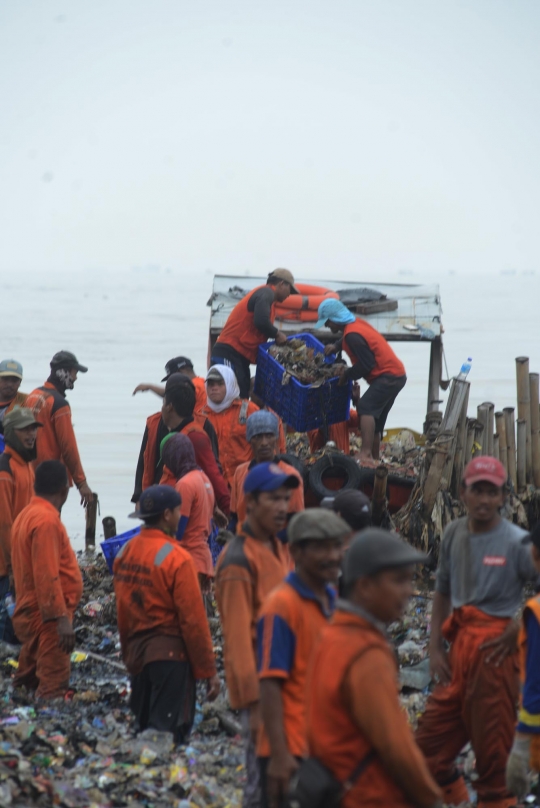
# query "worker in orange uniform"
(340, 433)
(183, 365)
(56, 441)
(48, 584)
(291, 620)
(11, 374)
(356, 727)
(250, 566)
(251, 323)
(197, 495)
(483, 567)
(372, 359)
(178, 415)
(262, 432)
(228, 414)
(16, 491)
(164, 633)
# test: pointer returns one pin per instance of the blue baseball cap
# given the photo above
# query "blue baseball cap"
(268, 477)
(155, 500)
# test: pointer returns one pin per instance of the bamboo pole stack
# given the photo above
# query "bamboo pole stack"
(534, 384)
(524, 408)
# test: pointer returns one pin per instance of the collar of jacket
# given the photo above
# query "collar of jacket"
(358, 611)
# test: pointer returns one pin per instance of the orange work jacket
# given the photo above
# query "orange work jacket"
(151, 450)
(230, 426)
(200, 392)
(16, 491)
(56, 439)
(240, 332)
(18, 401)
(385, 359)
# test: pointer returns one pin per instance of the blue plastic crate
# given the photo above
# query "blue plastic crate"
(110, 547)
(302, 406)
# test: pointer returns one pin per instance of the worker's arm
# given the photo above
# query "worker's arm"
(364, 356)
(186, 494)
(139, 473)
(260, 304)
(234, 596)
(158, 389)
(65, 436)
(6, 518)
(206, 460)
(438, 657)
(371, 695)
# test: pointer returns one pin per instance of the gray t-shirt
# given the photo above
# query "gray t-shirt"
(486, 570)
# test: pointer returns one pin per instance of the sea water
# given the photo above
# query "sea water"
(126, 325)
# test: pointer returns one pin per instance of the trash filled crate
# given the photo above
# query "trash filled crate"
(302, 406)
(110, 547)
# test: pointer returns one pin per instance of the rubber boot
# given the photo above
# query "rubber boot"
(455, 793)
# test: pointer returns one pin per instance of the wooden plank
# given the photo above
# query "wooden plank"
(534, 384)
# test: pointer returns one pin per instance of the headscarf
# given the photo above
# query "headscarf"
(179, 455)
(262, 422)
(232, 391)
(332, 309)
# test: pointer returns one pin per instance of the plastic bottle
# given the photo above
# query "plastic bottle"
(10, 604)
(465, 368)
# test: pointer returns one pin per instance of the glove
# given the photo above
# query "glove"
(517, 766)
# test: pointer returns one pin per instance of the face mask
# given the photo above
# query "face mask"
(64, 377)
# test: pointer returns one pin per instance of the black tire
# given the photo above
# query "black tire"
(297, 464)
(351, 471)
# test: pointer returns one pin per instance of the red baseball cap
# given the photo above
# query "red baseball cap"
(485, 469)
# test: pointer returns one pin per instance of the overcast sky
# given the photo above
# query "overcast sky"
(328, 136)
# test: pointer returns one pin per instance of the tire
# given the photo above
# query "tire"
(353, 474)
(297, 464)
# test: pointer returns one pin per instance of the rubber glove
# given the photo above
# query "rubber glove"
(517, 766)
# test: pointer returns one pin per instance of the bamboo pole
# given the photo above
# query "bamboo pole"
(496, 446)
(469, 441)
(91, 516)
(521, 454)
(482, 415)
(534, 385)
(109, 527)
(490, 426)
(441, 449)
(511, 444)
(501, 431)
(461, 457)
(378, 500)
(478, 433)
(524, 407)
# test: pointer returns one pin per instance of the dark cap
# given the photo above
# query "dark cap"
(315, 524)
(354, 507)
(374, 550)
(177, 379)
(268, 477)
(177, 365)
(156, 500)
(20, 418)
(66, 359)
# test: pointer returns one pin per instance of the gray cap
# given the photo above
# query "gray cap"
(374, 550)
(20, 418)
(316, 524)
(262, 422)
(213, 373)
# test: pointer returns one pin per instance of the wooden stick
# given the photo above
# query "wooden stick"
(109, 527)
(378, 500)
(469, 441)
(483, 418)
(496, 446)
(460, 458)
(521, 454)
(524, 407)
(490, 426)
(511, 444)
(501, 431)
(91, 516)
(534, 385)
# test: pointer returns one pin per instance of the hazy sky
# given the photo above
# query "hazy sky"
(333, 136)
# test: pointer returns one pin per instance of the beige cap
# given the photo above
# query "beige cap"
(285, 275)
(317, 524)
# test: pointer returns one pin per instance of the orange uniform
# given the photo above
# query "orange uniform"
(160, 609)
(386, 361)
(7, 406)
(49, 585)
(239, 331)
(230, 426)
(56, 440)
(16, 491)
(247, 571)
(200, 392)
(197, 509)
(353, 711)
(339, 433)
(238, 498)
(292, 618)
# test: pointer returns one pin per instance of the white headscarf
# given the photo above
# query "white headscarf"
(231, 388)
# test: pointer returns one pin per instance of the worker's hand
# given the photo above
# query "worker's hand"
(66, 635)
(330, 349)
(279, 773)
(439, 666)
(86, 494)
(219, 518)
(502, 646)
(517, 766)
(142, 388)
(255, 719)
(355, 395)
(213, 686)
(340, 373)
(281, 338)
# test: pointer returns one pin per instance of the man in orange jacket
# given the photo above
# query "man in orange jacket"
(356, 726)
(48, 584)
(183, 365)
(164, 633)
(291, 620)
(250, 566)
(16, 490)
(11, 374)
(483, 568)
(251, 323)
(372, 359)
(56, 441)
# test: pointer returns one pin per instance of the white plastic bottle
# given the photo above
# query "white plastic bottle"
(465, 368)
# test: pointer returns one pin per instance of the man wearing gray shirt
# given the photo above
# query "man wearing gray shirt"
(483, 568)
